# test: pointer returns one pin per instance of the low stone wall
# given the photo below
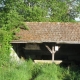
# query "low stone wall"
(13, 56)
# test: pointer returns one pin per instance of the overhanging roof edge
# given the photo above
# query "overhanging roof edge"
(63, 42)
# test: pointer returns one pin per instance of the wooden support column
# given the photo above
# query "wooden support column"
(53, 52)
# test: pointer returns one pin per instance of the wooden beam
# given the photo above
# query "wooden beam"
(48, 48)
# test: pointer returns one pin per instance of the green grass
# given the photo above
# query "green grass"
(30, 71)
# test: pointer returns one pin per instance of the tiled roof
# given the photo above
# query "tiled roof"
(50, 32)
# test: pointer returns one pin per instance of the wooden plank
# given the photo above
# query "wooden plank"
(48, 61)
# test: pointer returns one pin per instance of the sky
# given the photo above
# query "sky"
(77, 19)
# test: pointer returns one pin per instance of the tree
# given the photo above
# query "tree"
(34, 10)
(44, 10)
(10, 20)
(50, 10)
(73, 8)
(59, 11)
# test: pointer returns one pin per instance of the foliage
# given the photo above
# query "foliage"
(31, 71)
(10, 21)
(59, 9)
(51, 10)
(47, 10)
(35, 14)
(5, 38)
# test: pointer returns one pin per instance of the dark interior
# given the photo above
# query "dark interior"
(38, 51)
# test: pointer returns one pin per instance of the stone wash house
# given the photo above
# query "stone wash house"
(49, 41)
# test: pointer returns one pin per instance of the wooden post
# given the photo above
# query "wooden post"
(53, 52)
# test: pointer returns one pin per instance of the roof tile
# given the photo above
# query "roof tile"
(50, 32)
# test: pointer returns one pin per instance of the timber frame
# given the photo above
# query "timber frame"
(52, 51)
